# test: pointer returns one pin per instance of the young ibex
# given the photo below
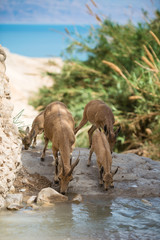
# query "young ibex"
(101, 148)
(59, 129)
(100, 116)
(37, 128)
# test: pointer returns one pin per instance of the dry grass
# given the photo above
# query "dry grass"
(155, 37)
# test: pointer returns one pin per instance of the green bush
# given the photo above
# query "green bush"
(123, 70)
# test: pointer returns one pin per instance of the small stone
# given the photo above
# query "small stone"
(77, 199)
(49, 195)
(31, 200)
(146, 202)
(22, 190)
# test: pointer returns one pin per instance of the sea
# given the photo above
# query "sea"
(42, 40)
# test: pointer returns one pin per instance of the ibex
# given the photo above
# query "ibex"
(100, 116)
(59, 129)
(101, 148)
(37, 128)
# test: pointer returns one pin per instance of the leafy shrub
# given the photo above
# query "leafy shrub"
(123, 70)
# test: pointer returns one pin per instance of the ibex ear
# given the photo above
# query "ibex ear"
(105, 129)
(74, 165)
(117, 131)
(27, 130)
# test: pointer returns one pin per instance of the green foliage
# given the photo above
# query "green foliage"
(133, 92)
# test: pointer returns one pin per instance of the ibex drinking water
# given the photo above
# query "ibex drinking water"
(59, 129)
(37, 128)
(101, 148)
(100, 116)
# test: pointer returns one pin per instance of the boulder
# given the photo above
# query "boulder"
(49, 195)
(14, 199)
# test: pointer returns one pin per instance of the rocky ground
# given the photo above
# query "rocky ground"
(136, 177)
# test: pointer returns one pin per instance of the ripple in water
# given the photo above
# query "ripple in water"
(119, 218)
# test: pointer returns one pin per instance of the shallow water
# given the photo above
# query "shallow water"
(91, 220)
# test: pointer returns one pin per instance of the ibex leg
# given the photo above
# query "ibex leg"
(90, 132)
(82, 123)
(44, 150)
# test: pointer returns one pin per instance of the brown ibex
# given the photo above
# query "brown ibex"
(59, 129)
(100, 116)
(37, 128)
(100, 146)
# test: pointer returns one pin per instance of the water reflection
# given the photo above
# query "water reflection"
(93, 220)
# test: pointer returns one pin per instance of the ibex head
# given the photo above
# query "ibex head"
(112, 136)
(65, 178)
(27, 139)
(108, 179)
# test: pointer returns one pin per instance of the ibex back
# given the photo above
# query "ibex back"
(37, 128)
(101, 148)
(100, 116)
(59, 129)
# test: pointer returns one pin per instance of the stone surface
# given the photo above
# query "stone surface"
(77, 199)
(2, 202)
(10, 143)
(49, 195)
(136, 177)
(15, 199)
(14, 207)
(31, 200)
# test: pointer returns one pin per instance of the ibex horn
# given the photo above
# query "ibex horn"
(63, 170)
(113, 173)
(74, 165)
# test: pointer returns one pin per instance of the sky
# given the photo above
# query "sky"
(74, 11)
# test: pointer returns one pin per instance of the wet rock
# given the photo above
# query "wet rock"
(136, 177)
(31, 200)
(14, 199)
(146, 202)
(77, 199)
(34, 206)
(49, 195)
(14, 207)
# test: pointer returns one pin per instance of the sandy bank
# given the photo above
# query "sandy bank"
(26, 76)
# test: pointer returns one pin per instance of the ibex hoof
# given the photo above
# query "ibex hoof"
(88, 164)
(100, 184)
(42, 159)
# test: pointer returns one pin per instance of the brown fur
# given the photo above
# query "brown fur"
(100, 146)
(59, 129)
(37, 128)
(100, 116)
